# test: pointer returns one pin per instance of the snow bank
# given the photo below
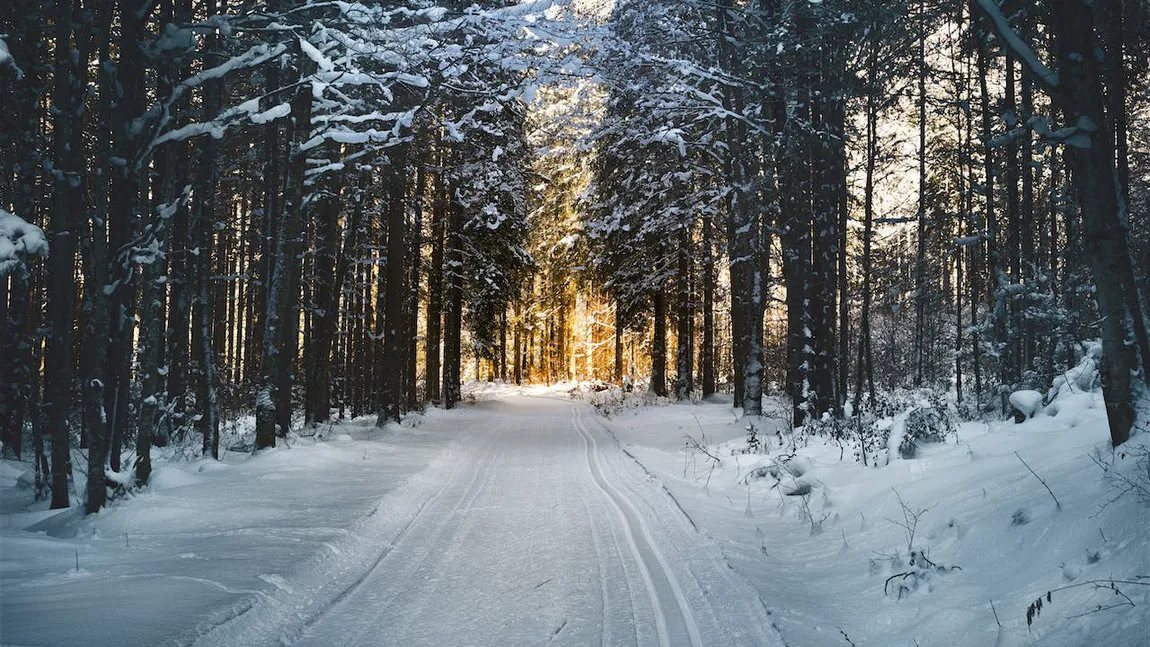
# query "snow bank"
(219, 537)
(170, 476)
(19, 240)
(822, 537)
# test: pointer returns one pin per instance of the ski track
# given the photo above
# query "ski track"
(533, 528)
(651, 562)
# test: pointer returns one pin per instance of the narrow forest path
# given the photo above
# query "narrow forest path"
(541, 531)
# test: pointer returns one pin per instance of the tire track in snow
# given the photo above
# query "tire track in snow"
(652, 564)
(283, 617)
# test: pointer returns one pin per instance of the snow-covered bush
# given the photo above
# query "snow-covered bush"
(1026, 403)
(610, 399)
(894, 426)
(928, 420)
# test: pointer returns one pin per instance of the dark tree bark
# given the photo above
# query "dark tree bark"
(805, 288)
(395, 291)
(279, 339)
(330, 280)
(435, 286)
(827, 168)
(64, 229)
(203, 226)
(708, 349)
(415, 247)
(865, 356)
(685, 353)
(97, 302)
(990, 172)
(618, 367)
(517, 323)
(170, 174)
(123, 208)
(1011, 369)
(659, 345)
(738, 243)
(453, 317)
(920, 256)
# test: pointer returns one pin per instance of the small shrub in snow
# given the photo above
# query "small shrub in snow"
(809, 516)
(1020, 517)
(920, 569)
(1127, 472)
(754, 446)
(920, 573)
(699, 448)
(1114, 597)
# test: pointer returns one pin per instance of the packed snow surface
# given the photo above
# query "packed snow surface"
(528, 526)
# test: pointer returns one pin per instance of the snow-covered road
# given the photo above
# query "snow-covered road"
(541, 531)
(516, 521)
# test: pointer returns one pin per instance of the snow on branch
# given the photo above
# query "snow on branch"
(6, 60)
(19, 240)
(161, 113)
(1037, 70)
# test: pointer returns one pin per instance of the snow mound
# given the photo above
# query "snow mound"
(169, 477)
(1026, 402)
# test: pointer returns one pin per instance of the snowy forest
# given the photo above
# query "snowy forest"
(236, 227)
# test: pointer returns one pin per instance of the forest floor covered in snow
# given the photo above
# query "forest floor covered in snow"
(206, 539)
(952, 547)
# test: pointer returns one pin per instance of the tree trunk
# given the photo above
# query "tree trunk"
(203, 226)
(708, 350)
(865, 357)
(97, 303)
(330, 283)
(618, 373)
(994, 266)
(659, 345)
(685, 353)
(804, 286)
(920, 256)
(395, 291)
(453, 318)
(415, 247)
(123, 207)
(517, 323)
(1103, 215)
(279, 340)
(64, 229)
(435, 287)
